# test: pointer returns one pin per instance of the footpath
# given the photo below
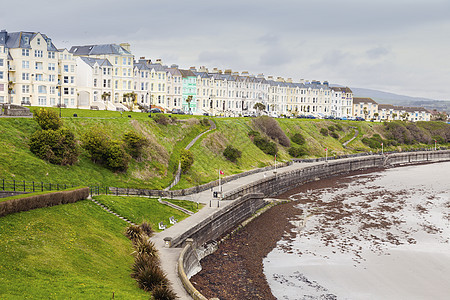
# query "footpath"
(169, 256)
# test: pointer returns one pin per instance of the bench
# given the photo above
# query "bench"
(172, 220)
(161, 226)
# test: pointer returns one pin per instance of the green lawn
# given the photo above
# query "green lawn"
(71, 251)
(140, 209)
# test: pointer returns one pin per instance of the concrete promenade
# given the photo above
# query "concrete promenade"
(169, 256)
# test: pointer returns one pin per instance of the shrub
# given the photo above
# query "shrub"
(298, 139)
(338, 127)
(252, 134)
(186, 159)
(55, 146)
(106, 152)
(438, 139)
(272, 129)
(134, 143)
(374, 141)
(133, 232)
(265, 145)
(331, 128)
(296, 151)
(144, 246)
(161, 119)
(324, 131)
(231, 153)
(163, 292)
(149, 275)
(146, 229)
(117, 158)
(47, 119)
(334, 135)
(205, 122)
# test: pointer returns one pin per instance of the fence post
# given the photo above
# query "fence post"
(14, 185)
(42, 186)
(24, 186)
(3, 184)
(106, 190)
(50, 186)
(33, 186)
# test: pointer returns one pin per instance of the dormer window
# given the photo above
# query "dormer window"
(49, 43)
(26, 40)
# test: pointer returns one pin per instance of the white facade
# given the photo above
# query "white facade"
(3, 70)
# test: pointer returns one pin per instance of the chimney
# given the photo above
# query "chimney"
(289, 80)
(174, 66)
(261, 75)
(325, 83)
(215, 71)
(159, 61)
(203, 69)
(235, 73)
(280, 79)
(269, 77)
(193, 69)
(228, 71)
(244, 73)
(126, 46)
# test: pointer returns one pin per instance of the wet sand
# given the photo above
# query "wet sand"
(369, 242)
(235, 270)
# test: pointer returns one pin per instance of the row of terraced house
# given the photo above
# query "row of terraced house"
(34, 72)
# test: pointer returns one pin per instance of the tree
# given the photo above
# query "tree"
(375, 116)
(188, 101)
(134, 143)
(404, 116)
(55, 146)
(259, 107)
(47, 119)
(366, 113)
(10, 90)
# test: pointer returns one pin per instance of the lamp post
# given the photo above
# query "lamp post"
(381, 148)
(435, 141)
(326, 154)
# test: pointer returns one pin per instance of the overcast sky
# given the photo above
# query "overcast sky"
(399, 46)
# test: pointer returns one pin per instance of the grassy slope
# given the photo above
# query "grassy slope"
(72, 251)
(156, 169)
(140, 209)
(17, 162)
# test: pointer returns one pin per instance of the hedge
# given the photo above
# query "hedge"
(41, 199)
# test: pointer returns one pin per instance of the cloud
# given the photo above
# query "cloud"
(377, 52)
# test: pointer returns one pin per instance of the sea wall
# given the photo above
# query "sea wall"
(249, 198)
(280, 183)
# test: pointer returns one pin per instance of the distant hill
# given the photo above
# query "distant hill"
(401, 100)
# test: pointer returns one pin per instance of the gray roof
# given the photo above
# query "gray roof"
(18, 40)
(357, 100)
(174, 72)
(91, 61)
(99, 50)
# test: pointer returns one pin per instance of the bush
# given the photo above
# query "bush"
(133, 232)
(47, 119)
(296, 151)
(272, 129)
(324, 131)
(161, 119)
(373, 142)
(148, 274)
(186, 159)
(334, 135)
(147, 229)
(163, 292)
(338, 127)
(265, 145)
(298, 139)
(231, 153)
(134, 143)
(106, 152)
(438, 139)
(205, 122)
(55, 146)
(331, 128)
(117, 158)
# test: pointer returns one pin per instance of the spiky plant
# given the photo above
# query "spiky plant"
(163, 292)
(150, 276)
(143, 245)
(133, 232)
(147, 229)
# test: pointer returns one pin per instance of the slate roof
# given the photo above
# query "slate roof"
(341, 89)
(18, 39)
(187, 73)
(91, 61)
(99, 50)
(357, 100)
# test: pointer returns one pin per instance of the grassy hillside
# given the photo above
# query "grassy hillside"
(72, 251)
(155, 170)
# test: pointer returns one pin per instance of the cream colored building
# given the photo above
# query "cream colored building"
(32, 68)
(365, 108)
(3, 68)
(122, 61)
(67, 84)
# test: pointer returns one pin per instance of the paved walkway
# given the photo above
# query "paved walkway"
(169, 256)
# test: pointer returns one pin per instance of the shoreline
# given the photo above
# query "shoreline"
(235, 270)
